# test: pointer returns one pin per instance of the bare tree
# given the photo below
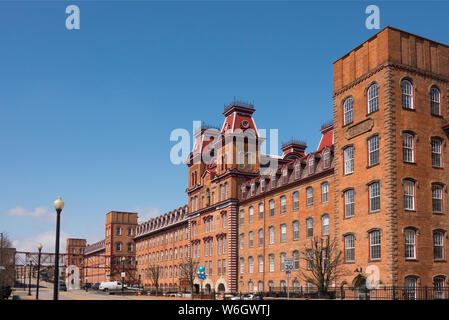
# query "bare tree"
(324, 260)
(7, 263)
(188, 268)
(155, 272)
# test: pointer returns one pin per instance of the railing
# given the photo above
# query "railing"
(351, 293)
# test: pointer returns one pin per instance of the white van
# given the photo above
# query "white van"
(111, 285)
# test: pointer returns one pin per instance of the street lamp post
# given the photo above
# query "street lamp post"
(59, 205)
(39, 247)
(29, 278)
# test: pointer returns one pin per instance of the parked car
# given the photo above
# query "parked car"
(252, 296)
(87, 285)
(232, 297)
(110, 285)
(96, 286)
(171, 294)
(62, 286)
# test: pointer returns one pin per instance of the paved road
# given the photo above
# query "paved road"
(46, 293)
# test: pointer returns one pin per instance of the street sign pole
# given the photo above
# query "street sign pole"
(288, 284)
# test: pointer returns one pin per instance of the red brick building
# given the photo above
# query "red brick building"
(376, 183)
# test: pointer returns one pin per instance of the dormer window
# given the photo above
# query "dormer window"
(253, 188)
(326, 158)
(311, 164)
(262, 185)
(273, 180)
(284, 175)
(297, 170)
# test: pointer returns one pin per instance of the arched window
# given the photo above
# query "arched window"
(326, 158)
(349, 248)
(374, 196)
(261, 210)
(437, 198)
(284, 175)
(374, 245)
(295, 230)
(348, 107)
(295, 200)
(325, 225)
(407, 94)
(251, 239)
(260, 258)
(271, 203)
(373, 98)
(309, 226)
(410, 243)
(271, 234)
(283, 255)
(438, 245)
(226, 190)
(250, 264)
(251, 214)
(439, 287)
(242, 265)
(410, 283)
(296, 259)
(436, 144)
(373, 150)
(311, 164)
(324, 192)
(297, 170)
(250, 286)
(408, 147)
(348, 155)
(261, 237)
(260, 286)
(409, 195)
(309, 194)
(283, 204)
(435, 101)
(271, 261)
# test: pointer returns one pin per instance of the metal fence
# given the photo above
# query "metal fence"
(351, 293)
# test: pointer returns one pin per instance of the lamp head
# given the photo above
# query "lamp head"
(40, 246)
(59, 204)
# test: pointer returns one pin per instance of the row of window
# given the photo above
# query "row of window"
(80, 250)
(174, 271)
(158, 240)
(118, 231)
(409, 197)
(373, 195)
(283, 232)
(283, 203)
(162, 255)
(119, 246)
(408, 147)
(408, 100)
(271, 263)
(224, 194)
(410, 242)
(263, 184)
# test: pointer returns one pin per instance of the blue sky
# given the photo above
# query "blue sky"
(87, 114)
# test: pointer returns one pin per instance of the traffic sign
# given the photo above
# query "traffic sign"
(288, 264)
(122, 274)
